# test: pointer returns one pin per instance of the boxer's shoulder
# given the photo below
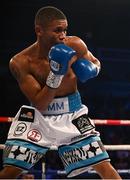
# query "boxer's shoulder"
(23, 57)
(77, 44)
(19, 63)
(72, 40)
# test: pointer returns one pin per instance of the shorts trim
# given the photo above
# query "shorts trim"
(14, 141)
(87, 152)
(22, 154)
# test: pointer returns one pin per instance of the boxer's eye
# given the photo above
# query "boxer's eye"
(60, 30)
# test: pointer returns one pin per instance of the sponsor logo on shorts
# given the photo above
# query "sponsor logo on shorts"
(83, 124)
(20, 129)
(34, 135)
(26, 114)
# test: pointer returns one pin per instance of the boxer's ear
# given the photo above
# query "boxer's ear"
(39, 30)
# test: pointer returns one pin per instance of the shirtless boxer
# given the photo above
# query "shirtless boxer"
(47, 73)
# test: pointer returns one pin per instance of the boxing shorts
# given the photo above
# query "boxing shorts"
(66, 125)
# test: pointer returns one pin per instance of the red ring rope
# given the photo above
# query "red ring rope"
(113, 122)
(6, 119)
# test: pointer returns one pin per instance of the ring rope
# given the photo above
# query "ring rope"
(96, 121)
(112, 122)
(107, 147)
(6, 119)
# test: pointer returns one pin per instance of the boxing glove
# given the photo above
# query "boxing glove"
(85, 69)
(59, 57)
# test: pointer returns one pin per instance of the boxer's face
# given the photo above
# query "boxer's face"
(56, 31)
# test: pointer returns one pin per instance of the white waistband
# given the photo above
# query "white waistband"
(67, 104)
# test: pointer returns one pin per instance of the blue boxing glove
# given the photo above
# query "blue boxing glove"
(59, 57)
(85, 69)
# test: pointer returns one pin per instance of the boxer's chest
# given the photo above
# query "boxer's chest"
(40, 70)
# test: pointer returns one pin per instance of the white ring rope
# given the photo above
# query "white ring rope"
(108, 147)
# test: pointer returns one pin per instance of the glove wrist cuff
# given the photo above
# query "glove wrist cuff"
(53, 80)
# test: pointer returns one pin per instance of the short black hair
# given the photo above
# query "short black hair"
(47, 14)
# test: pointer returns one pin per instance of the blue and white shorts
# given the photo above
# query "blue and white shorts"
(65, 124)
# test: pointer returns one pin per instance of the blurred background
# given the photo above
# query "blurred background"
(104, 25)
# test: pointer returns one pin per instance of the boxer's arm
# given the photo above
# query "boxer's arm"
(39, 96)
(86, 65)
(82, 51)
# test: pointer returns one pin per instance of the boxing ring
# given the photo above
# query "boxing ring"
(98, 122)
